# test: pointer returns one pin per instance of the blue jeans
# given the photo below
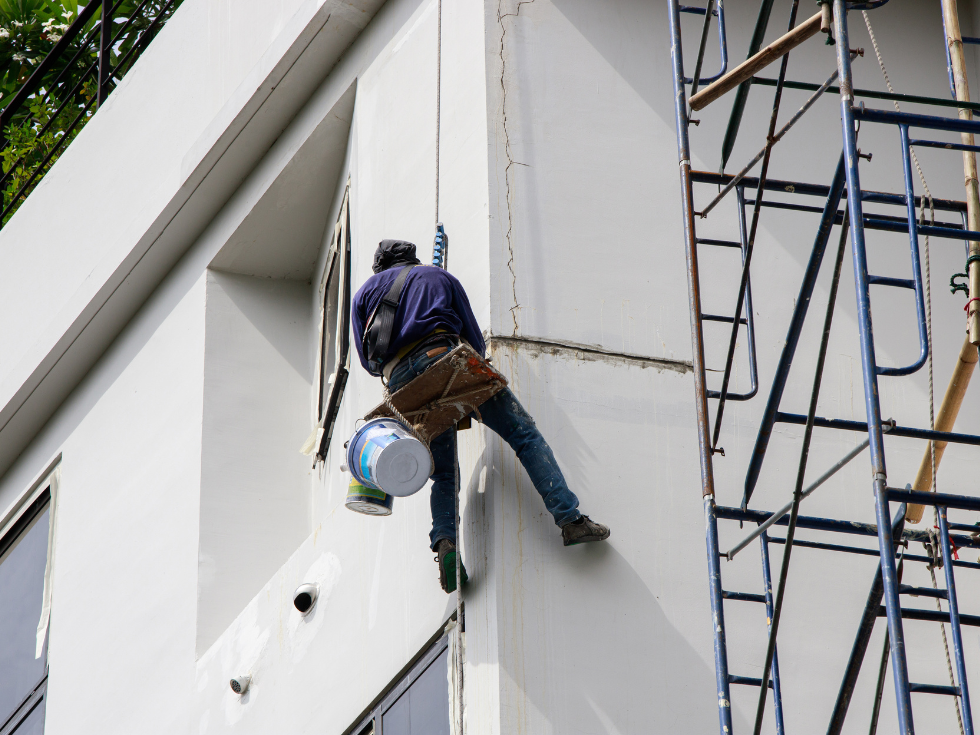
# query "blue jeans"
(506, 416)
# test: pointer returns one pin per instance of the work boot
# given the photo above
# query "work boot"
(583, 531)
(446, 558)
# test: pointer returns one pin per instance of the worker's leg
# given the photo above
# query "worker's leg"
(506, 416)
(442, 498)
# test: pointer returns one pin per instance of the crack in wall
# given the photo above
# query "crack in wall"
(508, 235)
(589, 352)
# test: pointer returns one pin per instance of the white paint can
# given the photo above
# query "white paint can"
(384, 455)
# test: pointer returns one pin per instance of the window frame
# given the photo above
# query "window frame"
(370, 721)
(339, 257)
(23, 519)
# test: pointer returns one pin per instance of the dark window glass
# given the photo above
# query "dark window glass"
(331, 312)
(423, 709)
(21, 591)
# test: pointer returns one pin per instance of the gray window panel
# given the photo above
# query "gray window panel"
(417, 701)
(21, 591)
(424, 707)
(33, 724)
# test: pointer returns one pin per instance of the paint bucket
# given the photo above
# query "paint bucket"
(367, 500)
(384, 455)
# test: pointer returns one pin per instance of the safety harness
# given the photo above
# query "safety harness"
(381, 323)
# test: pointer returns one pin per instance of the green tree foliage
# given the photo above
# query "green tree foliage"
(66, 97)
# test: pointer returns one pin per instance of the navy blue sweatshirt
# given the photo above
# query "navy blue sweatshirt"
(431, 299)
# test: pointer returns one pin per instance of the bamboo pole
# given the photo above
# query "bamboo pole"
(955, 40)
(826, 17)
(945, 419)
(748, 68)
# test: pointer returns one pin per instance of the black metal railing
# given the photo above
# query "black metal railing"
(61, 94)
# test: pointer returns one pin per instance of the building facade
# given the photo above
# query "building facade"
(169, 301)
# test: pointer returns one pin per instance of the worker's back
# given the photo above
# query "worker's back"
(432, 300)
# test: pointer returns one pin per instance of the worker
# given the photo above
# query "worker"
(431, 317)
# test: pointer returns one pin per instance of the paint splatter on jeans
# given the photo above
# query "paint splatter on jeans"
(505, 415)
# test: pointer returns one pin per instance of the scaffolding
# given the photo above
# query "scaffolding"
(843, 203)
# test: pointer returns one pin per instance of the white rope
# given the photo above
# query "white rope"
(459, 593)
(927, 194)
(438, 95)
(412, 428)
(457, 366)
(459, 586)
(888, 83)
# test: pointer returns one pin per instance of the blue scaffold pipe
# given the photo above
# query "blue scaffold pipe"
(722, 42)
(944, 145)
(749, 312)
(862, 639)
(777, 692)
(896, 634)
(920, 304)
(903, 431)
(945, 500)
(848, 528)
(717, 615)
(966, 711)
(929, 122)
(749, 318)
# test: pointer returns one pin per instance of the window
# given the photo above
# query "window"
(333, 359)
(417, 702)
(23, 675)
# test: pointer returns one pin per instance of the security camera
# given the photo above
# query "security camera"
(239, 685)
(304, 598)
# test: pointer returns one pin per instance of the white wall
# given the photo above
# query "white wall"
(255, 485)
(388, 602)
(584, 179)
(126, 571)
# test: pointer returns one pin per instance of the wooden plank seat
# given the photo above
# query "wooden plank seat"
(450, 390)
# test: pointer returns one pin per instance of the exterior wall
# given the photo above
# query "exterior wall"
(559, 192)
(380, 600)
(125, 576)
(587, 248)
(255, 486)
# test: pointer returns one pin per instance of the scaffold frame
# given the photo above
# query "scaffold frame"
(891, 503)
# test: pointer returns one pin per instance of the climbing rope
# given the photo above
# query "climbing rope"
(458, 724)
(438, 95)
(932, 386)
(927, 195)
(891, 90)
(412, 428)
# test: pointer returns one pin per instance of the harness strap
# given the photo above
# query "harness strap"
(377, 333)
